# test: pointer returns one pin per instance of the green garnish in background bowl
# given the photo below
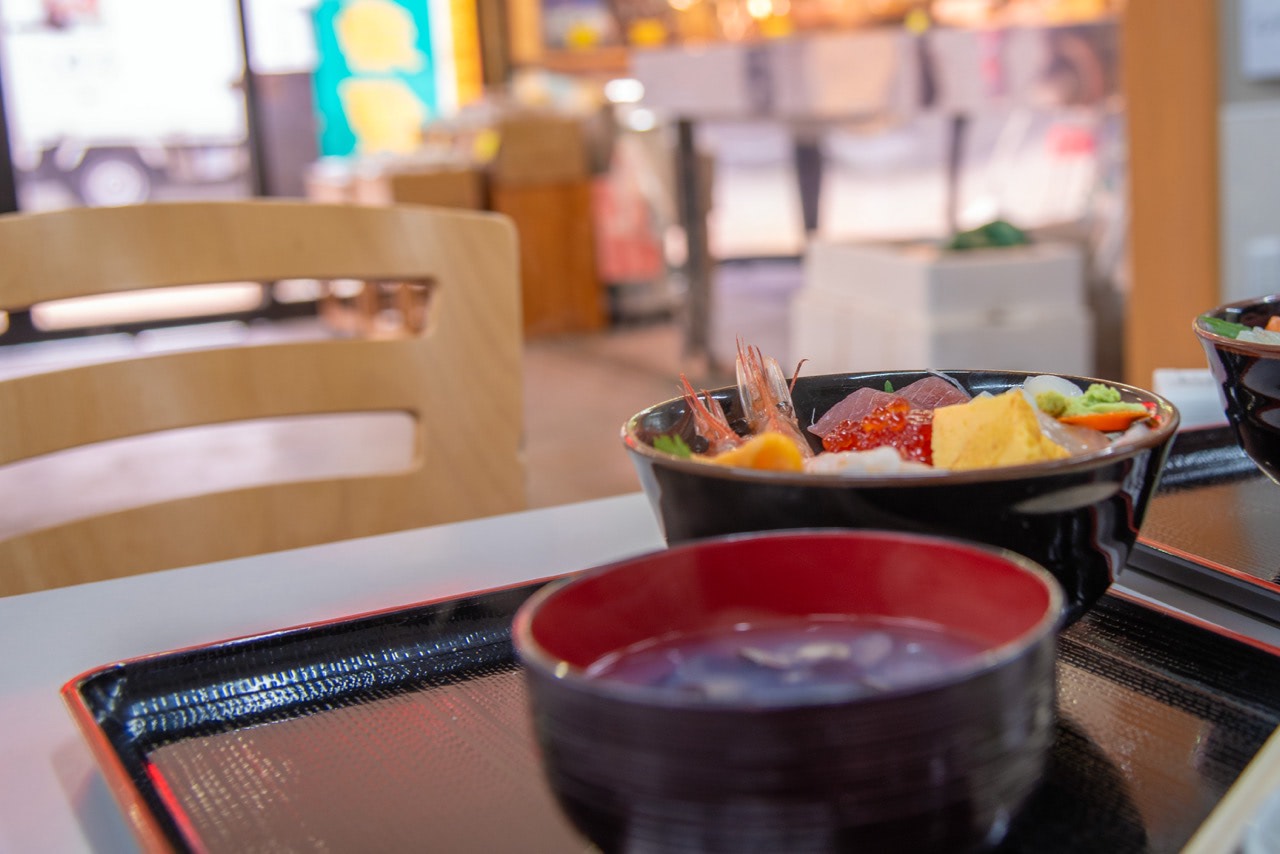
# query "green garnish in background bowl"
(1225, 328)
(995, 234)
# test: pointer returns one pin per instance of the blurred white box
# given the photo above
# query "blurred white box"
(980, 69)
(853, 74)
(846, 75)
(921, 277)
(1195, 393)
(889, 307)
(706, 81)
(838, 334)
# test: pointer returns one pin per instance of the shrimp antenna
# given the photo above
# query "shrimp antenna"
(795, 376)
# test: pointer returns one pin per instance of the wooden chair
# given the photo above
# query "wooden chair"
(457, 374)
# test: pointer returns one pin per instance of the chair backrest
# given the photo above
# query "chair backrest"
(458, 376)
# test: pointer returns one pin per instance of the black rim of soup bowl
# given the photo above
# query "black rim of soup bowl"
(942, 765)
(1078, 517)
(534, 653)
(1248, 379)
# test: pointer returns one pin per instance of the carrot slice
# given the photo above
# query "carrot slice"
(1107, 422)
(1273, 323)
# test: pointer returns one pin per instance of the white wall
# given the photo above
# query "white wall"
(1249, 173)
(1249, 154)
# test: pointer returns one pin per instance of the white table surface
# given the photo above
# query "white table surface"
(52, 797)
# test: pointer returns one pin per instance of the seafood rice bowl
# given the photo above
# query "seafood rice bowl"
(961, 453)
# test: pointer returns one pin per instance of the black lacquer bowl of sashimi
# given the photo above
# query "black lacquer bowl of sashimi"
(1078, 516)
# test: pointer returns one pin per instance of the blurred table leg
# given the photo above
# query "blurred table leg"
(692, 203)
(957, 137)
(806, 152)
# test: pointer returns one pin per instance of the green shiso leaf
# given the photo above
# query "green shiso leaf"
(673, 445)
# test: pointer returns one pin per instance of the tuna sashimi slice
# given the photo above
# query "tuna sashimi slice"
(928, 393)
(853, 408)
(932, 392)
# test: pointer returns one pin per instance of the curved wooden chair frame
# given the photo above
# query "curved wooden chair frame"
(459, 377)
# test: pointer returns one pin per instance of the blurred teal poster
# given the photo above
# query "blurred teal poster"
(375, 79)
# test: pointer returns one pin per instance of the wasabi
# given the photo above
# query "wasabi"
(1098, 399)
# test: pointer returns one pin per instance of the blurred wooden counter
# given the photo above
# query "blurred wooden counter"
(541, 179)
(562, 292)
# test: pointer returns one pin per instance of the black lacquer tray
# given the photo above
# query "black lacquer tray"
(407, 730)
(1212, 527)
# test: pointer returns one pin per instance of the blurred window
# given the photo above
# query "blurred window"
(123, 101)
(111, 102)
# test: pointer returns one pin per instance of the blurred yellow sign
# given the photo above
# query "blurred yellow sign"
(377, 36)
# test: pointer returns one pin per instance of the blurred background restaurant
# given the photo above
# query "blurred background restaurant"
(789, 169)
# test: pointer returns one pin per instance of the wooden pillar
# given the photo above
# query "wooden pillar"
(1170, 79)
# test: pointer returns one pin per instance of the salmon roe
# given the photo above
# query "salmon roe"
(895, 424)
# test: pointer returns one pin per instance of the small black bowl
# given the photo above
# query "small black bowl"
(939, 762)
(1248, 377)
(1077, 517)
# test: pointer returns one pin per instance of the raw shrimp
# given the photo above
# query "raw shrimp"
(766, 397)
(709, 420)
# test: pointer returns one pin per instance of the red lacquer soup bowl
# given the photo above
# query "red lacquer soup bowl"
(814, 690)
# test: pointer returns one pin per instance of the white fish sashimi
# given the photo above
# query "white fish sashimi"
(1077, 440)
(1048, 382)
(1136, 433)
(882, 460)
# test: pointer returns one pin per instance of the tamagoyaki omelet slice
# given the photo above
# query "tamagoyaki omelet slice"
(1002, 430)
